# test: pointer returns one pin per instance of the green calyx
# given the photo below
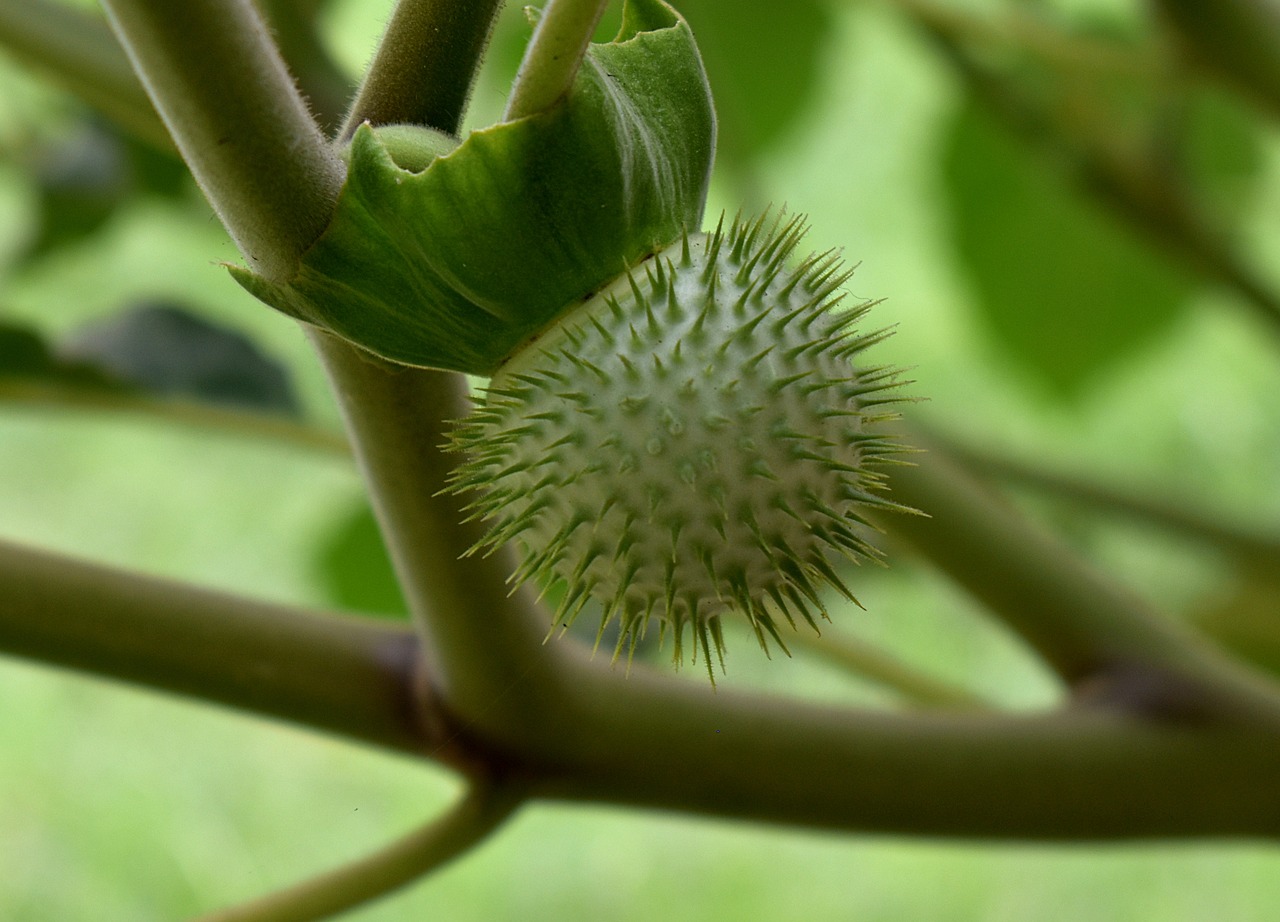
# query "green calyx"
(693, 440)
(412, 148)
(451, 258)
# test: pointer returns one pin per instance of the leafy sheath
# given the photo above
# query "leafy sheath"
(455, 266)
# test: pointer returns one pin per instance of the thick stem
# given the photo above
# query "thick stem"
(1079, 774)
(353, 677)
(486, 642)
(78, 51)
(218, 82)
(482, 810)
(554, 55)
(425, 65)
(484, 645)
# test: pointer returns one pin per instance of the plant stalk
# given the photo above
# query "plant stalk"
(554, 55)
(484, 808)
(353, 677)
(217, 80)
(425, 66)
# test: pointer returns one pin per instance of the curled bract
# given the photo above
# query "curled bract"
(448, 253)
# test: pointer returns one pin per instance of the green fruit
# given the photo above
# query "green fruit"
(689, 441)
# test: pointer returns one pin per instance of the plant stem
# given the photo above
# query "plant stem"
(468, 822)
(77, 50)
(1084, 626)
(554, 55)
(193, 413)
(1146, 507)
(326, 87)
(425, 65)
(1032, 32)
(218, 82)
(486, 641)
(869, 662)
(483, 643)
(646, 740)
(1080, 774)
(1239, 39)
(353, 677)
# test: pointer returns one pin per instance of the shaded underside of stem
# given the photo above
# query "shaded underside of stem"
(355, 678)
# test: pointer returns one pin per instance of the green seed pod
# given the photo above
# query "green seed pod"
(689, 441)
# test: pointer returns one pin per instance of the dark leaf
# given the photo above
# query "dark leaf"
(80, 182)
(166, 350)
(84, 178)
(25, 357)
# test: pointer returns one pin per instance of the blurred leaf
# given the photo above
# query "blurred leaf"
(82, 180)
(163, 349)
(1222, 150)
(1063, 286)
(764, 62)
(354, 570)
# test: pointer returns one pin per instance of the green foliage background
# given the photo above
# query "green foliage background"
(123, 805)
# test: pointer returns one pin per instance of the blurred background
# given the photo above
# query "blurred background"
(1073, 220)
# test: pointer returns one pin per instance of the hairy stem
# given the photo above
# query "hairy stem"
(425, 65)
(353, 677)
(485, 641)
(467, 823)
(216, 78)
(484, 644)
(327, 88)
(78, 51)
(554, 55)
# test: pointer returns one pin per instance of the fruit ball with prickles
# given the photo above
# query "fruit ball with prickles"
(691, 440)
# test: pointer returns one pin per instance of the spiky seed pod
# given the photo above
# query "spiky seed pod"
(691, 440)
